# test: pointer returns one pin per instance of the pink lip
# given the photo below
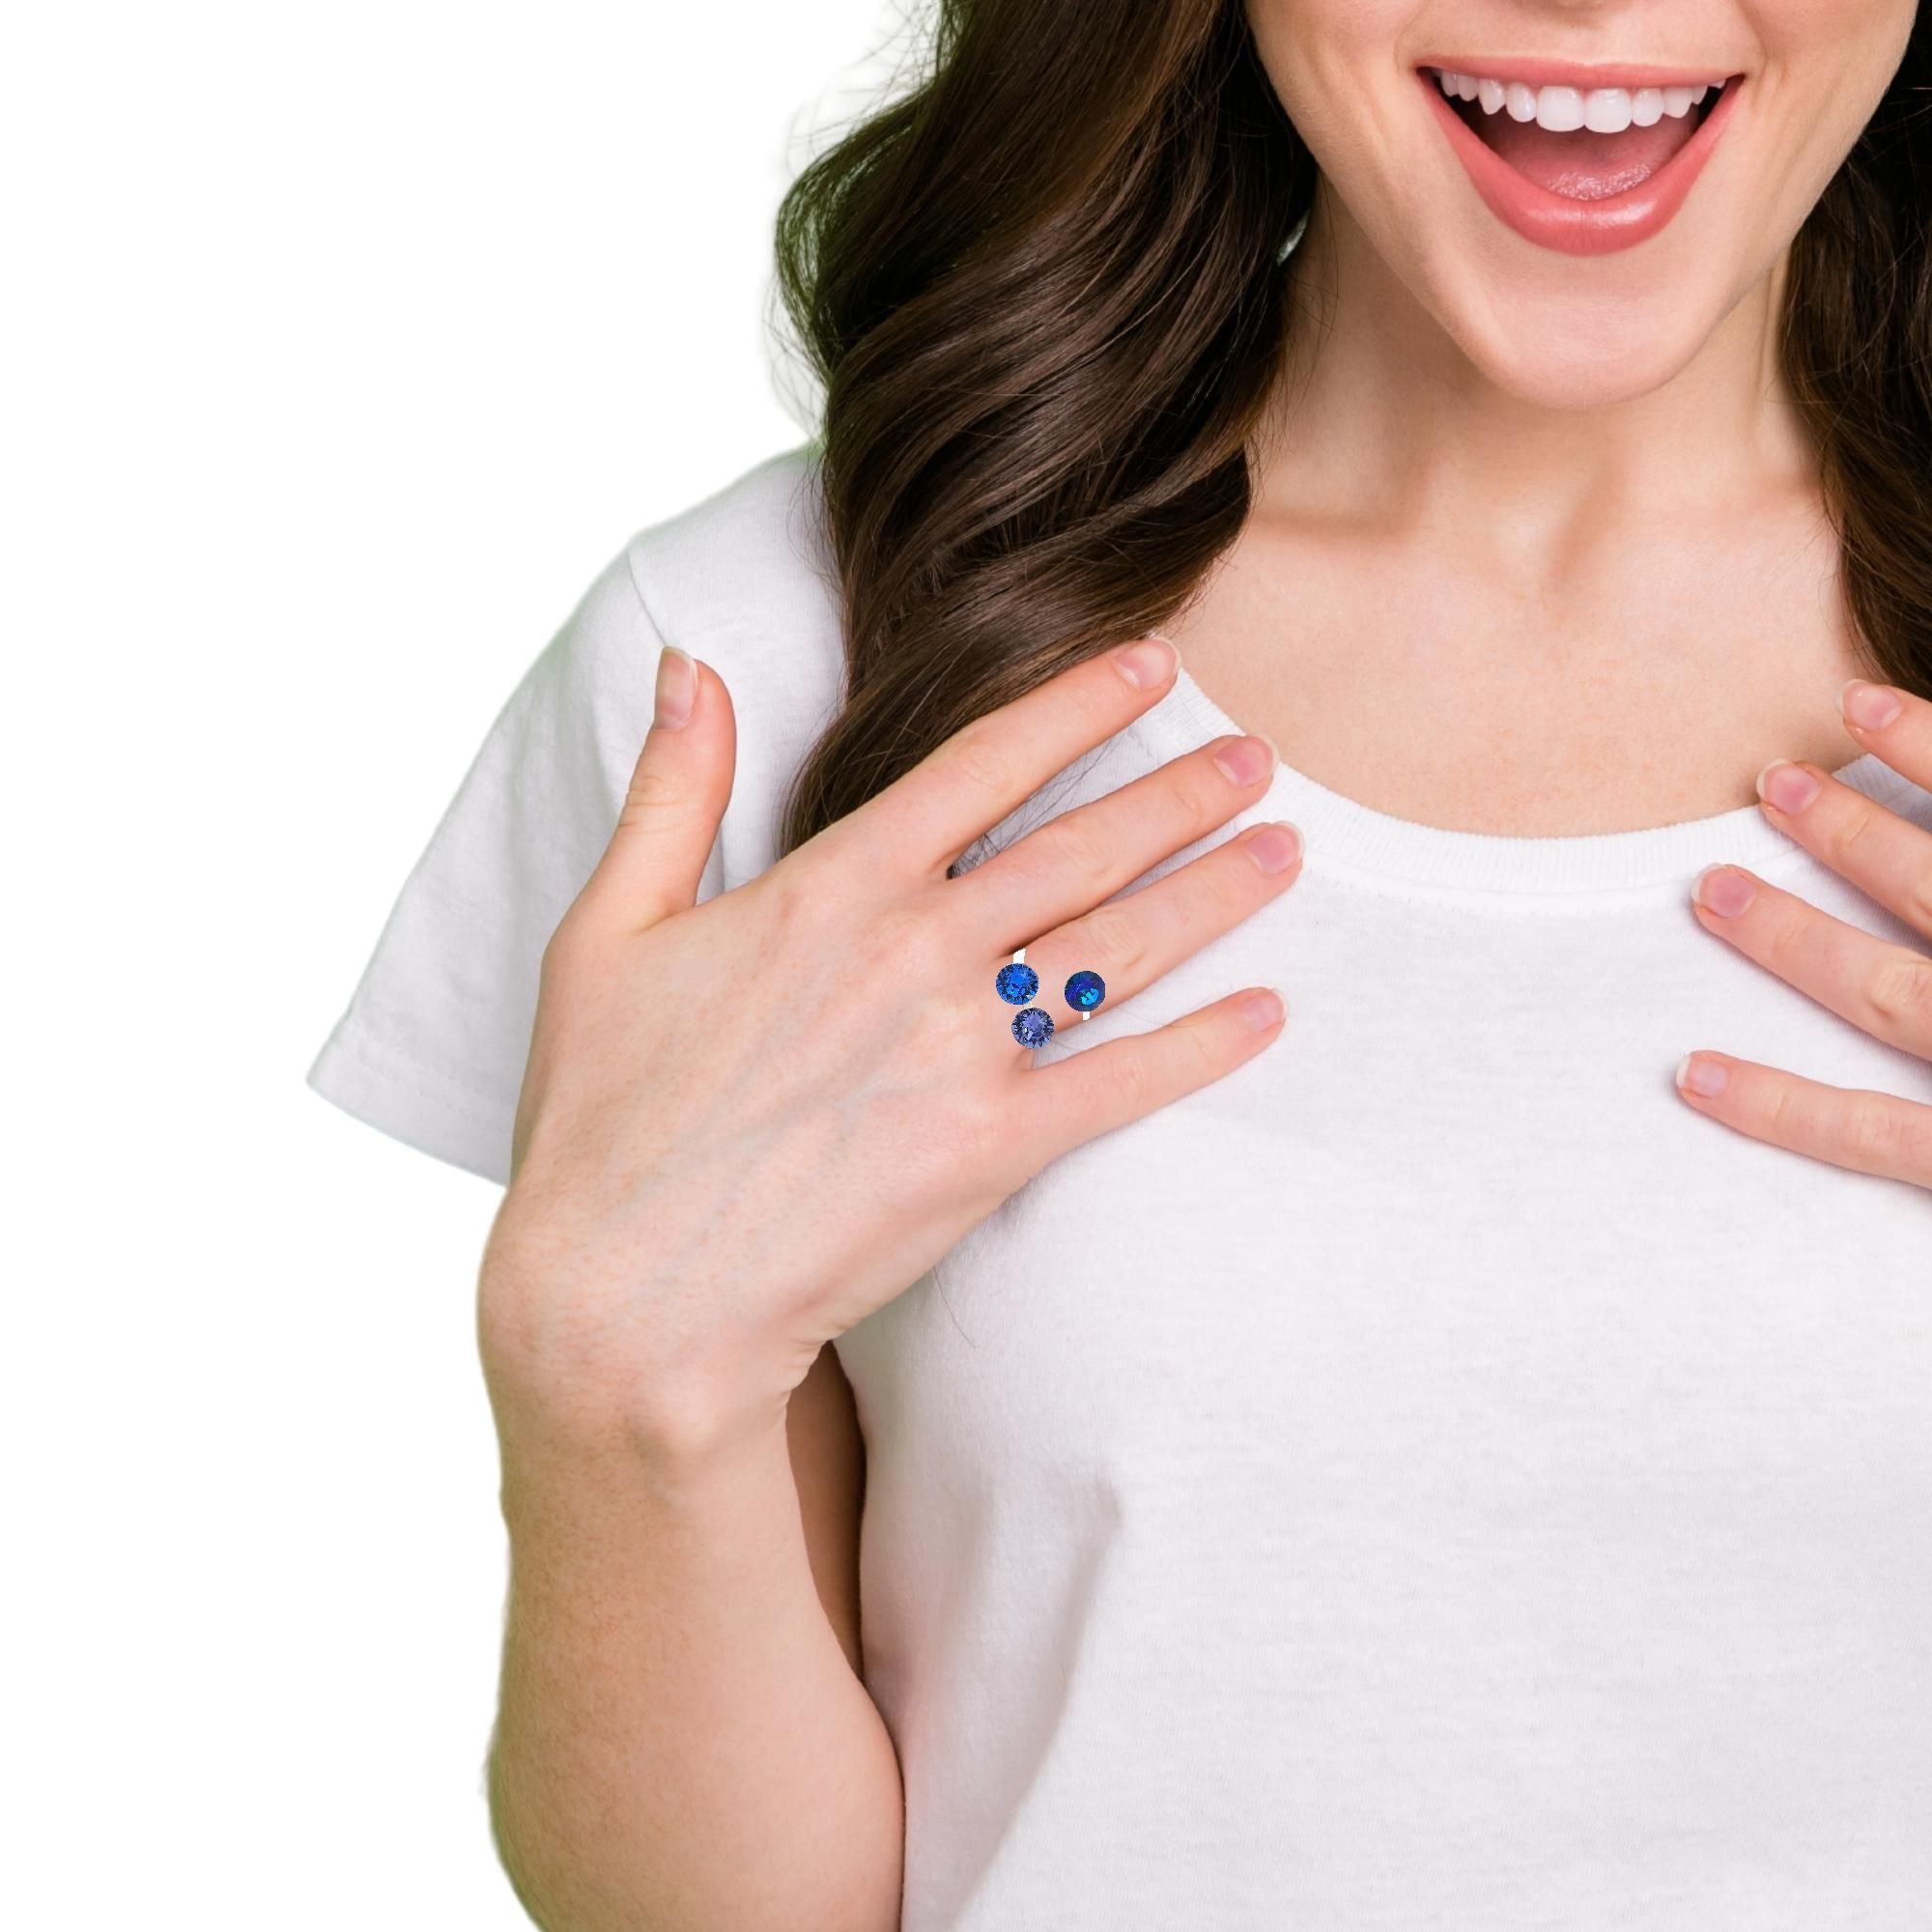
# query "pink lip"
(1554, 220)
(1534, 72)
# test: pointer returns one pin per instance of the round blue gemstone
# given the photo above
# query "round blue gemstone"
(1034, 1027)
(1085, 991)
(1016, 984)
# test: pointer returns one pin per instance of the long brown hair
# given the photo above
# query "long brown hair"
(1041, 292)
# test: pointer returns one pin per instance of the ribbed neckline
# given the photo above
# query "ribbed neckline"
(1348, 836)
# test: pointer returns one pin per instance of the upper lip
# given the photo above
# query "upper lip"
(1535, 72)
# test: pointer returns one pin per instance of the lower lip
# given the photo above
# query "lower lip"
(1580, 227)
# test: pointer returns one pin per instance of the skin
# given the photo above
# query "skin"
(1538, 544)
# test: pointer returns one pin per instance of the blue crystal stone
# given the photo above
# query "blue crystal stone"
(1085, 991)
(1016, 984)
(1034, 1027)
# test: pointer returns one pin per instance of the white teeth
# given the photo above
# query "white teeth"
(1605, 110)
(1559, 108)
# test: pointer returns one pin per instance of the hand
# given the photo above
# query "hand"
(1886, 989)
(747, 1123)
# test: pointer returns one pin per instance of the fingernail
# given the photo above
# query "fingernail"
(1704, 1077)
(676, 687)
(1261, 1010)
(1868, 706)
(1245, 760)
(1146, 663)
(1723, 889)
(1275, 847)
(1788, 786)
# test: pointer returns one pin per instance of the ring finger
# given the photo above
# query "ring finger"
(1130, 941)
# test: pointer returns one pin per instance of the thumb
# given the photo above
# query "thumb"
(677, 794)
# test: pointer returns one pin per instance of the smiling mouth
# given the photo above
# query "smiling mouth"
(1583, 144)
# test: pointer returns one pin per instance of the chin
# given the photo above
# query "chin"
(1575, 349)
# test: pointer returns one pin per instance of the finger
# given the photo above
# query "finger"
(964, 787)
(1083, 856)
(1887, 857)
(1087, 1094)
(1886, 989)
(1855, 1127)
(1130, 941)
(678, 791)
(1895, 723)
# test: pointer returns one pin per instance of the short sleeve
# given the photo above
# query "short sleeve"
(432, 1046)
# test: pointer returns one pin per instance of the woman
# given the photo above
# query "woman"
(1415, 1462)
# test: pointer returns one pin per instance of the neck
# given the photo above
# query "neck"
(1381, 420)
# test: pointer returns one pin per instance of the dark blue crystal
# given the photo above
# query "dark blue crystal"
(1034, 1027)
(1085, 991)
(1016, 984)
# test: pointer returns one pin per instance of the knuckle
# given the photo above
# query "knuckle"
(1200, 789)
(1872, 1125)
(1914, 1146)
(1900, 991)
(653, 791)
(1134, 1077)
(983, 760)
(1200, 1038)
(1858, 820)
(1093, 689)
(1072, 844)
(1236, 883)
(1213, 1043)
(1114, 933)
(1918, 903)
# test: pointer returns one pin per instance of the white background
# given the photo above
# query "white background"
(345, 345)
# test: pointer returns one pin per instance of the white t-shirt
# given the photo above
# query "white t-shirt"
(1430, 1477)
